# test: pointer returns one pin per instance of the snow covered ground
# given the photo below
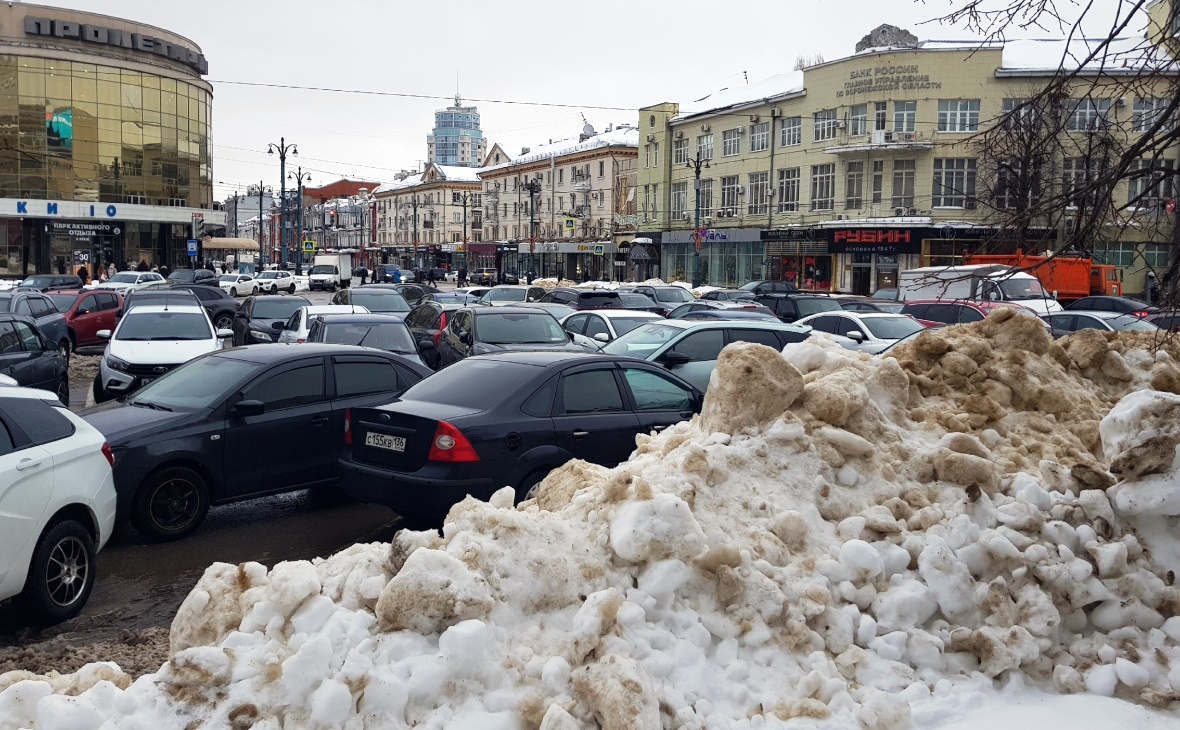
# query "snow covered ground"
(977, 533)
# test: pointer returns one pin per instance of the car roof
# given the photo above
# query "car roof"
(504, 310)
(515, 286)
(276, 352)
(863, 315)
(19, 391)
(965, 303)
(544, 358)
(161, 308)
(76, 292)
(333, 309)
(620, 313)
(170, 292)
(703, 324)
(378, 289)
(349, 318)
(1103, 314)
(731, 314)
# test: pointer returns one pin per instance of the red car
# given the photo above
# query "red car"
(86, 313)
(940, 312)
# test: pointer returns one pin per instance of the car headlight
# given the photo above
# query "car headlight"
(262, 335)
(115, 363)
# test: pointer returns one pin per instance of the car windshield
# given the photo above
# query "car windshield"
(519, 328)
(152, 326)
(642, 341)
(891, 307)
(636, 300)
(505, 295)
(380, 300)
(887, 294)
(228, 279)
(393, 336)
(1022, 289)
(892, 328)
(623, 325)
(750, 286)
(1131, 323)
(322, 269)
(141, 299)
(63, 302)
(37, 281)
(674, 294)
(814, 306)
(202, 383)
(278, 308)
(472, 383)
(125, 277)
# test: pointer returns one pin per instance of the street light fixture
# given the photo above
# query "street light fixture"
(283, 148)
(262, 190)
(299, 177)
(533, 187)
(696, 164)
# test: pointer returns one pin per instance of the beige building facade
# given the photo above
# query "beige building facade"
(422, 219)
(839, 176)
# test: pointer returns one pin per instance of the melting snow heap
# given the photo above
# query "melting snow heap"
(837, 541)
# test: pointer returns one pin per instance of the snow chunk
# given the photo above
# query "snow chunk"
(431, 592)
(656, 529)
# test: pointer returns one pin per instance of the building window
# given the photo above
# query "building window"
(680, 152)
(1010, 184)
(731, 142)
(729, 194)
(788, 190)
(757, 195)
(1077, 175)
(1150, 183)
(905, 116)
(792, 131)
(823, 187)
(561, 176)
(679, 201)
(903, 183)
(958, 115)
(646, 158)
(602, 168)
(705, 147)
(1147, 112)
(706, 197)
(646, 200)
(858, 120)
(954, 183)
(760, 137)
(656, 152)
(854, 186)
(1087, 115)
(878, 181)
(824, 123)
(880, 115)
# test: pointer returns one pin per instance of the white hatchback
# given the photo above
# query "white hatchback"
(299, 324)
(238, 284)
(126, 281)
(57, 505)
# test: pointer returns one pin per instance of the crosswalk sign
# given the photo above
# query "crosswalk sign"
(571, 223)
(599, 249)
(309, 247)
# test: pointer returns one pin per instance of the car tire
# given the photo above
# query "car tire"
(170, 504)
(100, 393)
(64, 349)
(61, 574)
(224, 322)
(63, 391)
(233, 291)
(527, 489)
(291, 290)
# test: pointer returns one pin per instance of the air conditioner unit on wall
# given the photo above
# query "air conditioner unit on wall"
(899, 212)
(741, 130)
(651, 138)
(840, 124)
(704, 127)
(679, 134)
(776, 112)
(909, 136)
(754, 117)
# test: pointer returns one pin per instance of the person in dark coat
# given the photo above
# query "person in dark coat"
(164, 270)
(364, 275)
(430, 276)
(83, 274)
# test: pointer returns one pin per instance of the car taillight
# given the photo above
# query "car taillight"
(442, 323)
(106, 451)
(1140, 314)
(348, 427)
(449, 444)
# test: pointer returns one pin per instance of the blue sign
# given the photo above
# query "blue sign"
(192, 247)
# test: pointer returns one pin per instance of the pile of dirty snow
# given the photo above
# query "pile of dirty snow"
(961, 536)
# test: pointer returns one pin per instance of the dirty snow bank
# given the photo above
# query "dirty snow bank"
(837, 541)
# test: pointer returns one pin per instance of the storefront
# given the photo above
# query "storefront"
(728, 258)
(643, 257)
(481, 256)
(800, 256)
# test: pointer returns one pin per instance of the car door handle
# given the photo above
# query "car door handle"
(580, 434)
(660, 427)
(27, 464)
(319, 420)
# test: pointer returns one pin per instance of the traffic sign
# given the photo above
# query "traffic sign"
(309, 247)
(192, 247)
(599, 249)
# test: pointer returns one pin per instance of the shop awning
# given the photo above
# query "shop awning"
(232, 244)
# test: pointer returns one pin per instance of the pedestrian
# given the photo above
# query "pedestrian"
(111, 271)
(364, 275)
(141, 266)
(430, 276)
(462, 276)
(164, 270)
(84, 275)
(224, 268)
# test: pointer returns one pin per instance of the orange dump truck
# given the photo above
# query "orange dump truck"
(1068, 277)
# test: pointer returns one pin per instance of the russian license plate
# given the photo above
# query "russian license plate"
(145, 381)
(389, 443)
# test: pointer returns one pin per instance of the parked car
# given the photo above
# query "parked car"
(730, 314)
(639, 302)
(57, 505)
(702, 305)
(273, 282)
(868, 304)
(299, 323)
(193, 276)
(1064, 323)
(604, 325)
(690, 349)
(936, 312)
(1122, 305)
(30, 360)
(472, 292)
(412, 293)
(126, 281)
(507, 294)
(504, 419)
(426, 322)
(477, 330)
(378, 331)
(869, 332)
(86, 312)
(584, 298)
(386, 274)
(484, 277)
(793, 307)
(728, 295)
(667, 297)
(375, 299)
(148, 342)
(238, 285)
(51, 324)
(258, 402)
(222, 307)
(510, 277)
(1169, 321)
(891, 294)
(52, 282)
(559, 311)
(769, 286)
(261, 320)
(141, 297)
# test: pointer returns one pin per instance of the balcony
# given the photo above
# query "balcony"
(884, 140)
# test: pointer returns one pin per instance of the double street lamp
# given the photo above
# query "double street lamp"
(262, 190)
(299, 177)
(696, 164)
(533, 188)
(283, 148)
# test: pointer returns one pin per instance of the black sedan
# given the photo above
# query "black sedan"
(261, 319)
(413, 293)
(478, 330)
(30, 360)
(368, 330)
(426, 322)
(376, 299)
(505, 420)
(238, 424)
(1122, 305)
(217, 302)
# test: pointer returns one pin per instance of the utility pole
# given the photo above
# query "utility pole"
(283, 148)
(534, 188)
(466, 198)
(300, 176)
(262, 190)
(414, 203)
(695, 164)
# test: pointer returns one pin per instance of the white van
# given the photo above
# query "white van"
(985, 282)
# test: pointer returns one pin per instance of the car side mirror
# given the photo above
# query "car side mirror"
(80, 312)
(248, 408)
(279, 326)
(223, 334)
(672, 358)
(241, 315)
(855, 335)
(426, 345)
(465, 338)
(103, 334)
(602, 337)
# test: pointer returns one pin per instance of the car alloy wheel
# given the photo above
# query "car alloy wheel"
(63, 349)
(69, 567)
(63, 392)
(233, 292)
(61, 574)
(291, 290)
(224, 322)
(171, 504)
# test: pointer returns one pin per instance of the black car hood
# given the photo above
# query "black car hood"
(485, 347)
(119, 422)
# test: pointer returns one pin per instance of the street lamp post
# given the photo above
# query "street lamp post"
(695, 164)
(283, 148)
(414, 203)
(262, 190)
(299, 177)
(466, 198)
(534, 189)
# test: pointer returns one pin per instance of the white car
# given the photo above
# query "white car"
(149, 341)
(126, 281)
(869, 332)
(57, 504)
(273, 282)
(299, 324)
(238, 284)
(604, 325)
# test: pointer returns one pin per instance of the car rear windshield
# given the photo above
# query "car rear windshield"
(814, 306)
(642, 341)
(153, 326)
(623, 325)
(278, 308)
(599, 299)
(505, 295)
(1131, 323)
(380, 300)
(674, 294)
(390, 336)
(141, 299)
(519, 329)
(472, 382)
(632, 299)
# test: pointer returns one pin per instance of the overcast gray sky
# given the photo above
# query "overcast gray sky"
(611, 53)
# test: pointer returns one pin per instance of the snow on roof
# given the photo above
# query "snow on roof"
(1050, 55)
(456, 173)
(771, 88)
(618, 137)
(408, 182)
